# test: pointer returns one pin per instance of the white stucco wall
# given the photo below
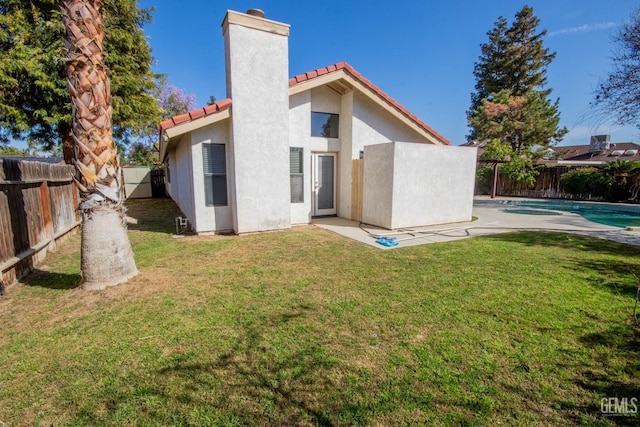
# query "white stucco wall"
(299, 136)
(300, 107)
(430, 184)
(181, 186)
(209, 218)
(368, 124)
(377, 194)
(373, 125)
(362, 123)
(258, 67)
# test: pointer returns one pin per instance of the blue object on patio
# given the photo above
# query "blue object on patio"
(387, 241)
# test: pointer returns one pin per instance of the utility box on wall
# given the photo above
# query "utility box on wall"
(410, 185)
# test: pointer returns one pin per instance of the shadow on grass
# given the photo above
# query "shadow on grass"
(264, 378)
(52, 280)
(568, 241)
(618, 277)
(620, 342)
(156, 215)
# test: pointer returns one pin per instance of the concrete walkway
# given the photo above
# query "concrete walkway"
(492, 219)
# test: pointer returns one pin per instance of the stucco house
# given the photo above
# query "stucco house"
(279, 151)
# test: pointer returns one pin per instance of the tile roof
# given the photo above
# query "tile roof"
(196, 114)
(356, 75)
(583, 152)
(226, 103)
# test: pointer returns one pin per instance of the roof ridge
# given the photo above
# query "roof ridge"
(342, 65)
(346, 66)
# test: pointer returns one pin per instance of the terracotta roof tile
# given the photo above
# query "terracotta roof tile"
(348, 68)
(210, 109)
(181, 118)
(166, 124)
(226, 103)
(196, 114)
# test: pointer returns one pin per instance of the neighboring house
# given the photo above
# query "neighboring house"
(598, 152)
(281, 151)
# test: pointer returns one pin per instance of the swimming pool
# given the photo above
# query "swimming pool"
(603, 213)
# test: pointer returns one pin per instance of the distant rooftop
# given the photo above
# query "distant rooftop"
(51, 160)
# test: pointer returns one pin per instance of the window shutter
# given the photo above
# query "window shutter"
(215, 174)
(214, 159)
(296, 162)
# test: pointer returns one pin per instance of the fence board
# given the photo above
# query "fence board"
(37, 205)
(547, 185)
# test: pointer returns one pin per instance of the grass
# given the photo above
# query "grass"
(304, 327)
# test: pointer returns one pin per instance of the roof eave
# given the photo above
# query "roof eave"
(364, 88)
(170, 137)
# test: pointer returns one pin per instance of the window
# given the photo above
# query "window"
(297, 174)
(215, 174)
(324, 124)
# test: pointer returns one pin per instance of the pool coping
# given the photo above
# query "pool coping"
(490, 220)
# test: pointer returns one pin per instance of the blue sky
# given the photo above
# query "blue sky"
(420, 52)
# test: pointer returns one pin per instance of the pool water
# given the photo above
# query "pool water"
(602, 213)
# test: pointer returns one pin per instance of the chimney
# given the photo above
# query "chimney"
(257, 68)
(599, 143)
(256, 12)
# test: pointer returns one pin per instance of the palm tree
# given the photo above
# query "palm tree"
(107, 258)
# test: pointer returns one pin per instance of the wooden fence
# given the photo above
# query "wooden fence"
(547, 185)
(38, 207)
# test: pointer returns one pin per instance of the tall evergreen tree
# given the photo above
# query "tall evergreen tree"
(34, 100)
(511, 104)
(513, 59)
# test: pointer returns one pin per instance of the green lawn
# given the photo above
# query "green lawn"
(304, 327)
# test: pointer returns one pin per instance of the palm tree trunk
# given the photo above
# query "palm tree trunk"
(107, 258)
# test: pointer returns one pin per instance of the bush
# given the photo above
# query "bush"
(586, 183)
(484, 179)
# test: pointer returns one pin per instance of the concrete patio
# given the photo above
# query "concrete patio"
(491, 219)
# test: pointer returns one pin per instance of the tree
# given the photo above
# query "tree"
(107, 258)
(13, 151)
(171, 101)
(34, 101)
(510, 106)
(617, 97)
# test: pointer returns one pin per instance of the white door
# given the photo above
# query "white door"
(324, 184)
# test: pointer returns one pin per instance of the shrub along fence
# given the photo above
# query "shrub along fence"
(38, 207)
(569, 182)
(548, 185)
